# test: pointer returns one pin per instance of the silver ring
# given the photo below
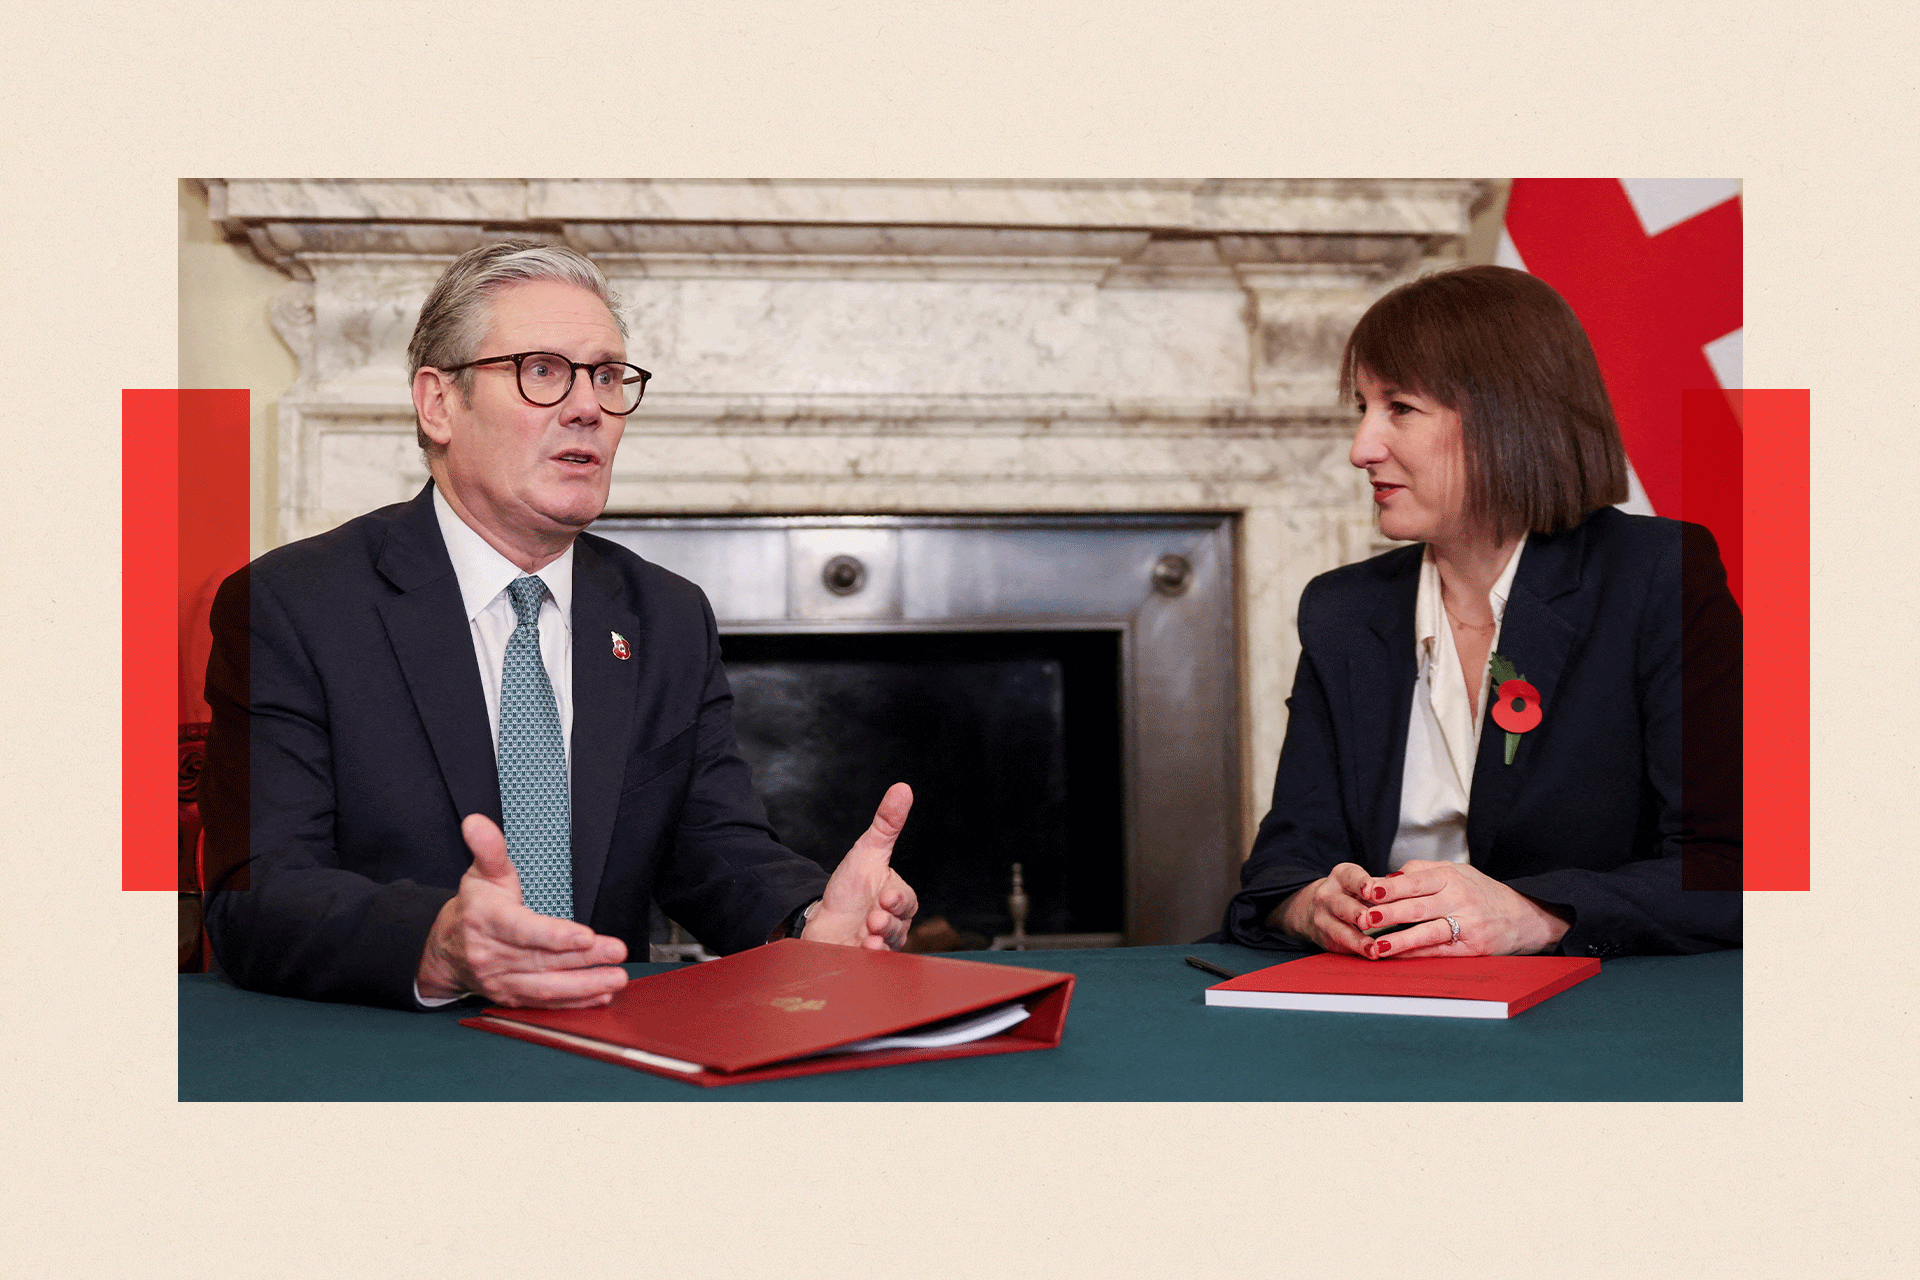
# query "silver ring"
(1455, 926)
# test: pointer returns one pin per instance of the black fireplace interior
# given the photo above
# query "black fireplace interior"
(1010, 740)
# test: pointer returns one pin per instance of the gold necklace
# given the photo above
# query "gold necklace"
(1471, 626)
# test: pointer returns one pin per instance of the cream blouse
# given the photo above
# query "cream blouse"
(1443, 734)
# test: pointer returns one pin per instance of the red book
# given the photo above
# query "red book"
(1448, 987)
(794, 1008)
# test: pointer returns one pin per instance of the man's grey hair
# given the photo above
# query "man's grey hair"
(456, 315)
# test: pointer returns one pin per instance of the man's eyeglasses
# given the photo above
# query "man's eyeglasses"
(546, 379)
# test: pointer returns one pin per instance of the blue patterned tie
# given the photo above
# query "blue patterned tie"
(534, 799)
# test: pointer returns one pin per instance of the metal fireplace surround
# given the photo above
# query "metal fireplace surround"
(1163, 582)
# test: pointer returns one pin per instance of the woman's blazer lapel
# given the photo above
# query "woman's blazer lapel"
(1547, 613)
(1380, 674)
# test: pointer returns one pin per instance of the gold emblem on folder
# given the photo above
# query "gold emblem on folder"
(794, 1004)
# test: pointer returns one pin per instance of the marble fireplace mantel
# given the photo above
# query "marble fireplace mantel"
(901, 347)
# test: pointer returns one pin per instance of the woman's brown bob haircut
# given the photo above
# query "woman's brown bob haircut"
(1504, 351)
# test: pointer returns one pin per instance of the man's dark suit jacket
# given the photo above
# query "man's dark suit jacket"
(343, 681)
(1605, 804)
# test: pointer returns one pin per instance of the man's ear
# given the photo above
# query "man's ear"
(433, 395)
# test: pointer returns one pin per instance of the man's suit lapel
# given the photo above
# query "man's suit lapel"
(605, 688)
(1545, 617)
(1380, 674)
(427, 627)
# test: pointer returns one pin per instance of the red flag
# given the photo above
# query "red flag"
(1652, 268)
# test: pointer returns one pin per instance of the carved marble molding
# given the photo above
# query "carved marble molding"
(858, 310)
(283, 218)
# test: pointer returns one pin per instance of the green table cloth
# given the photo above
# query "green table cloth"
(1646, 1028)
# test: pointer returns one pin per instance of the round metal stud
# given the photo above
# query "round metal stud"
(1171, 574)
(844, 575)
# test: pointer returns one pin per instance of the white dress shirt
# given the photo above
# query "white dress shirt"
(484, 574)
(1443, 733)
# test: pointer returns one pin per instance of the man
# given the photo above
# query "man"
(387, 694)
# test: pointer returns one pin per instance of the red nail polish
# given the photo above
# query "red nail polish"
(1379, 892)
(1385, 947)
(1374, 917)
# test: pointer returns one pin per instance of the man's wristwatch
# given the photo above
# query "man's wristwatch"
(794, 925)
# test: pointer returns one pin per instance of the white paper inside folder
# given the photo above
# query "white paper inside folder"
(940, 1035)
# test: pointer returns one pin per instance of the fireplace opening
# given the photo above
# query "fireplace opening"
(1011, 741)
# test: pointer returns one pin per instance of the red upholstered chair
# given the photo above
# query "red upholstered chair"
(193, 934)
(196, 641)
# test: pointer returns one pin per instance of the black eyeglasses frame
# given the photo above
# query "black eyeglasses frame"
(573, 375)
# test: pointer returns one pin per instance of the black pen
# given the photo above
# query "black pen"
(1209, 967)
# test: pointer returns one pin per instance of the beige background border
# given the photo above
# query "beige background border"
(108, 1175)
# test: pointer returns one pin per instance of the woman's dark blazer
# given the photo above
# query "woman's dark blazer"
(1625, 626)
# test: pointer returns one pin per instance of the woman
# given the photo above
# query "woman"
(1562, 819)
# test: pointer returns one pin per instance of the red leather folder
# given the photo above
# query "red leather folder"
(763, 1014)
(1439, 986)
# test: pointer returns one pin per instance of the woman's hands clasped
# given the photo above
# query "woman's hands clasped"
(1494, 920)
(1330, 913)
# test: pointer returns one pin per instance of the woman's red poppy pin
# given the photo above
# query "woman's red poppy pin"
(1516, 704)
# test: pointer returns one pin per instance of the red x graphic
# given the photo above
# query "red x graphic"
(1650, 304)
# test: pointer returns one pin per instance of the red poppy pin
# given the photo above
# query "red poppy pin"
(621, 649)
(1516, 704)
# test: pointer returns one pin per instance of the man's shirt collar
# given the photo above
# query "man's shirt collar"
(484, 573)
